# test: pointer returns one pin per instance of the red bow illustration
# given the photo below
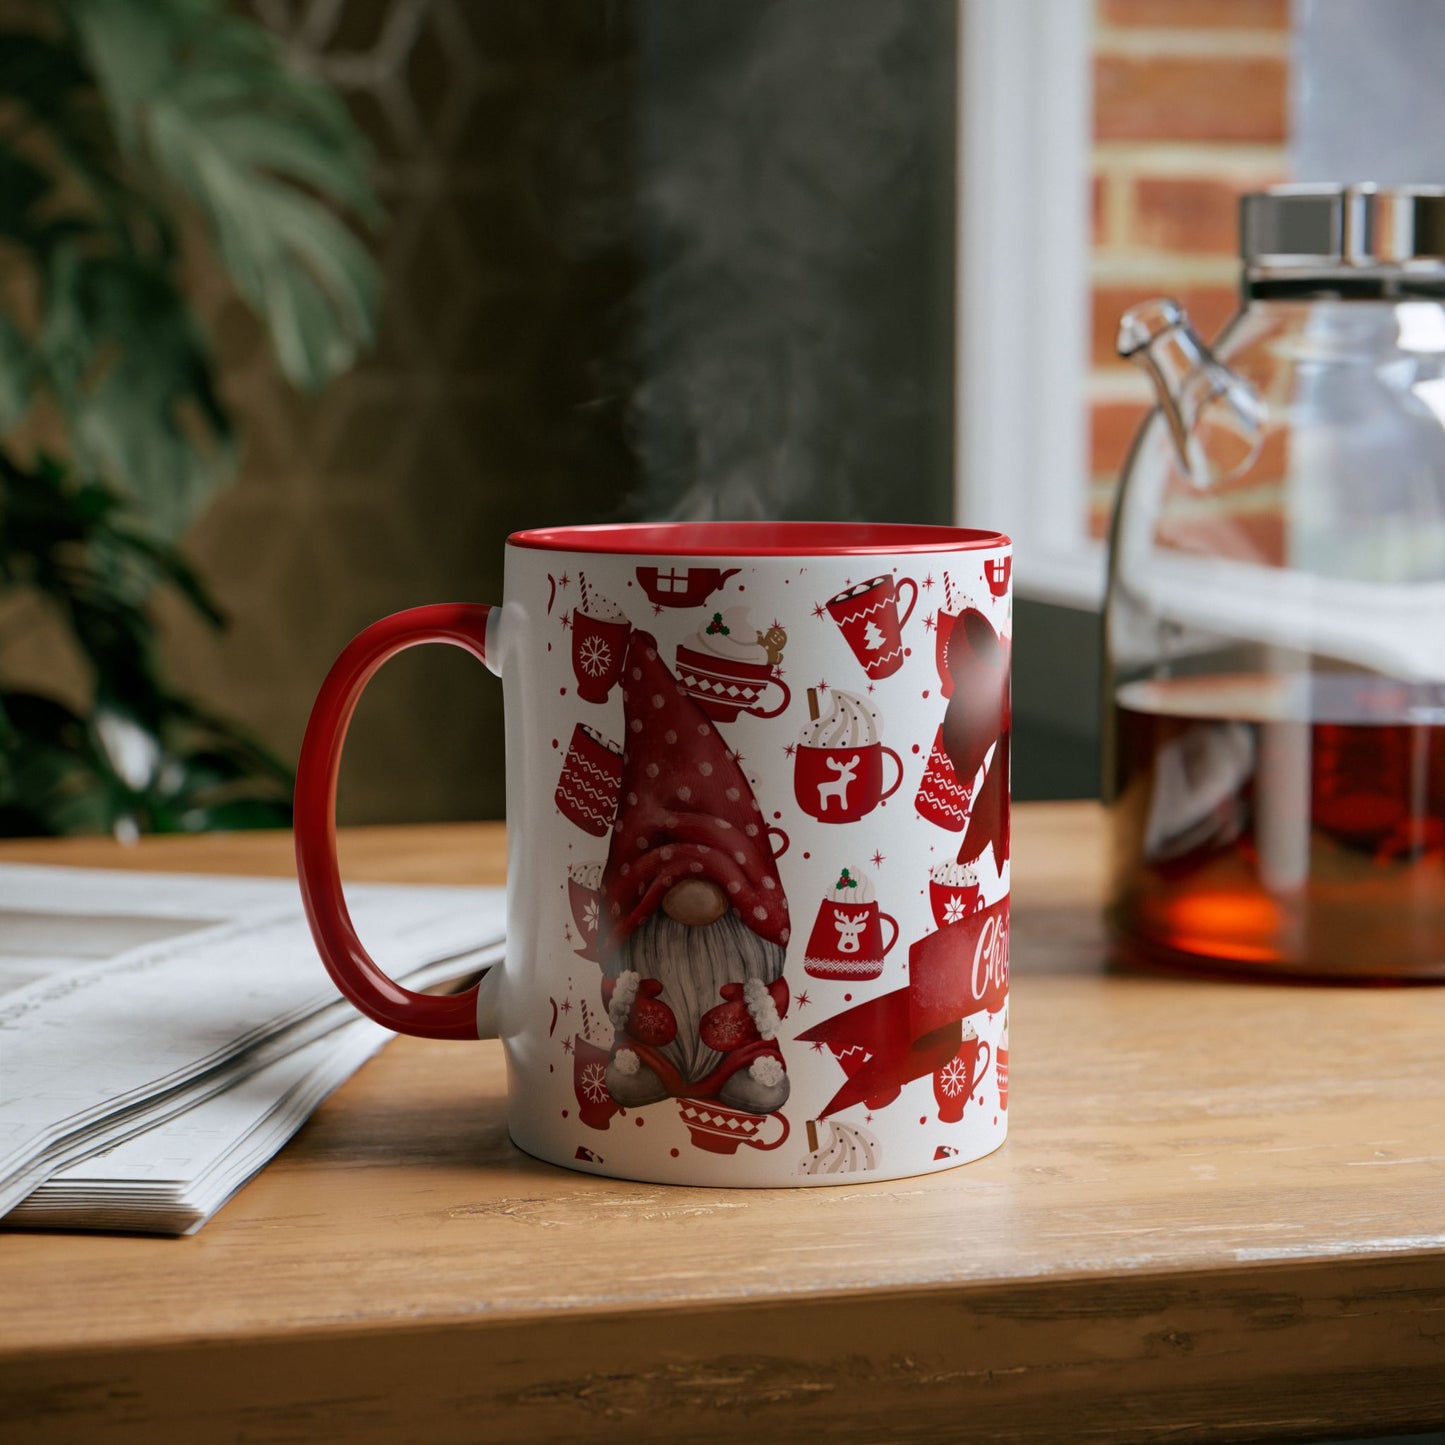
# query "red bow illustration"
(980, 712)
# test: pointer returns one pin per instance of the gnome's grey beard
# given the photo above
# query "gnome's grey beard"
(693, 963)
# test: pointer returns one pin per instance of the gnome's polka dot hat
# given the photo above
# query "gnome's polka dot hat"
(685, 811)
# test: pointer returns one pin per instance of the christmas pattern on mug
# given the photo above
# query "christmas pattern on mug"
(701, 983)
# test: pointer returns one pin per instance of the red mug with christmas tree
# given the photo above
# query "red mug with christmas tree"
(664, 983)
(868, 616)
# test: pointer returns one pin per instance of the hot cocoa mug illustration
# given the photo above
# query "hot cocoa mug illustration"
(869, 618)
(842, 785)
(953, 892)
(730, 666)
(591, 776)
(954, 1083)
(838, 765)
(584, 898)
(847, 940)
(689, 1000)
(597, 647)
(719, 1129)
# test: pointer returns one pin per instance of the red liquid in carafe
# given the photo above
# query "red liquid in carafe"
(1288, 826)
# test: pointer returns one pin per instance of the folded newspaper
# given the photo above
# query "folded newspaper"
(162, 1036)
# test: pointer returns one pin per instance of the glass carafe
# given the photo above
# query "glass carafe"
(1275, 625)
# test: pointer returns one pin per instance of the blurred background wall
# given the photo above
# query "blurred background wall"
(645, 257)
(1191, 110)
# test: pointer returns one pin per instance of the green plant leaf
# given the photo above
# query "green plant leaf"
(133, 375)
(265, 153)
(17, 372)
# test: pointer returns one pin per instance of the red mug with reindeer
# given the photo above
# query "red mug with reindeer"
(847, 937)
(838, 768)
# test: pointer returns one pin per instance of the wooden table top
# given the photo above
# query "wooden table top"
(1220, 1212)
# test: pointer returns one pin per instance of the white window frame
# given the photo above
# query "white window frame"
(1025, 126)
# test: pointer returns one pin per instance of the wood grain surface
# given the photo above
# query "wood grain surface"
(1220, 1214)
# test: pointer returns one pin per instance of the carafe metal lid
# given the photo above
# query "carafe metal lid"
(1332, 228)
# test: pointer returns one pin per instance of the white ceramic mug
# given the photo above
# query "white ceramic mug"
(677, 1036)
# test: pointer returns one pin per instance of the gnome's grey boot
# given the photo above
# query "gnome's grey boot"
(631, 1082)
(759, 1090)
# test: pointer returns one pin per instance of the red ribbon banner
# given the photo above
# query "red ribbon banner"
(887, 1042)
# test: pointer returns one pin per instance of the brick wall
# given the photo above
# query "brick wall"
(1190, 110)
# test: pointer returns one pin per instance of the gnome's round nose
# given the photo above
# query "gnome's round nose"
(695, 902)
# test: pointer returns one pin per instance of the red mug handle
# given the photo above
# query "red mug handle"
(782, 706)
(889, 792)
(778, 1142)
(352, 969)
(912, 600)
(888, 918)
(987, 1054)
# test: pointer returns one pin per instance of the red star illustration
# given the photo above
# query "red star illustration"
(566, 1005)
(563, 581)
(567, 932)
(567, 1044)
(776, 623)
(657, 609)
(566, 619)
(928, 623)
(802, 1000)
(789, 749)
(822, 685)
(878, 860)
(819, 610)
(818, 1046)
(867, 1118)
(870, 687)
(928, 583)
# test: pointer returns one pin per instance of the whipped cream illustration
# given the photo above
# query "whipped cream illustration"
(586, 875)
(848, 723)
(732, 636)
(954, 875)
(849, 1149)
(851, 889)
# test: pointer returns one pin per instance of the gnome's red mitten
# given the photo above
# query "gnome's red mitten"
(752, 1013)
(636, 1010)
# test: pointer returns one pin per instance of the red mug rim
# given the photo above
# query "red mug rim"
(757, 539)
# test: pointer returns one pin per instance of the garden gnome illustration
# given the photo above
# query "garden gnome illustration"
(695, 920)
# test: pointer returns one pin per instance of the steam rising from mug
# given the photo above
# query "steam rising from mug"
(776, 338)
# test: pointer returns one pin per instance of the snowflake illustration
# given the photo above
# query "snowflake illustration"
(589, 915)
(594, 1082)
(953, 909)
(595, 656)
(955, 1078)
